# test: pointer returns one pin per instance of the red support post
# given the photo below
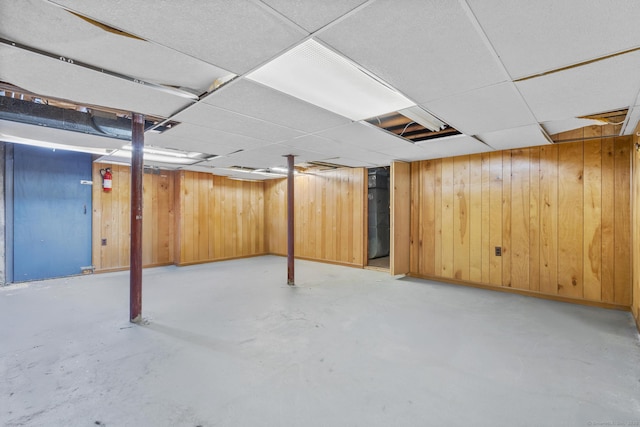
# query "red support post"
(290, 229)
(135, 269)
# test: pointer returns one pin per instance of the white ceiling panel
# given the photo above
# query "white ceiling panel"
(537, 36)
(331, 148)
(312, 14)
(524, 136)
(426, 49)
(209, 147)
(49, 77)
(73, 37)
(558, 126)
(191, 132)
(32, 134)
(456, 145)
(212, 117)
(404, 150)
(593, 88)
(319, 145)
(352, 163)
(362, 136)
(483, 110)
(234, 35)
(255, 100)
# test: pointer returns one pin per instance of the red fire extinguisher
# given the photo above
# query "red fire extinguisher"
(107, 179)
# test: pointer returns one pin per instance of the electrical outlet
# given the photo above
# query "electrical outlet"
(104, 242)
(498, 251)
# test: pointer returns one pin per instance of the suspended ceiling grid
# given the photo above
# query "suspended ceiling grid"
(499, 72)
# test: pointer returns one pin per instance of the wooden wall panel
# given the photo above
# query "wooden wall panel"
(329, 216)
(111, 219)
(461, 203)
(607, 234)
(475, 218)
(219, 218)
(592, 251)
(570, 220)
(400, 196)
(622, 211)
(495, 218)
(635, 156)
(520, 214)
(559, 213)
(549, 219)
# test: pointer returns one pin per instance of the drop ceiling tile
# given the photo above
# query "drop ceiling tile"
(318, 144)
(451, 146)
(75, 38)
(313, 15)
(362, 136)
(234, 35)
(483, 110)
(404, 151)
(426, 49)
(537, 36)
(593, 88)
(255, 100)
(205, 135)
(525, 136)
(83, 86)
(558, 126)
(206, 115)
(352, 163)
(210, 147)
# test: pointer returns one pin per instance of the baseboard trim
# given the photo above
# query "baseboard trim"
(523, 292)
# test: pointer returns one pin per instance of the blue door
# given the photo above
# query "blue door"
(51, 213)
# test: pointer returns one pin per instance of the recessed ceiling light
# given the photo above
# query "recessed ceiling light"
(318, 75)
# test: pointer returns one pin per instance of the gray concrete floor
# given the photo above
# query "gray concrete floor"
(227, 344)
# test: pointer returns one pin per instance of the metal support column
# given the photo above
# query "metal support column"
(290, 236)
(135, 269)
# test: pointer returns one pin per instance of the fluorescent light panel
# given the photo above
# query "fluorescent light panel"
(125, 155)
(423, 118)
(318, 75)
(53, 145)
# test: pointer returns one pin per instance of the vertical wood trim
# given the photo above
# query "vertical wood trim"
(461, 207)
(495, 218)
(487, 250)
(592, 251)
(608, 216)
(476, 249)
(570, 219)
(534, 219)
(400, 217)
(549, 219)
(520, 215)
(506, 218)
(448, 224)
(622, 266)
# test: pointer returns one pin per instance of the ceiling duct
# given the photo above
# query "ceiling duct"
(41, 114)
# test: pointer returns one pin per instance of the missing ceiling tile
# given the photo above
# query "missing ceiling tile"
(410, 129)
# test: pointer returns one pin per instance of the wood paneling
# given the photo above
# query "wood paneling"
(560, 213)
(111, 219)
(329, 216)
(570, 219)
(218, 218)
(400, 217)
(635, 155)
